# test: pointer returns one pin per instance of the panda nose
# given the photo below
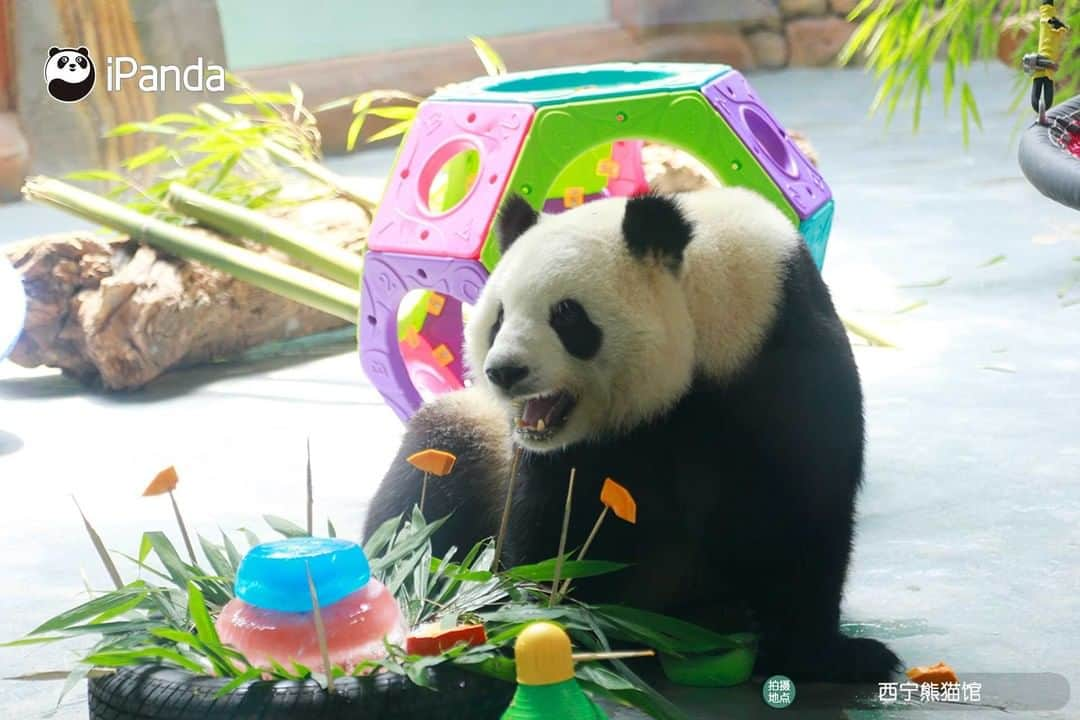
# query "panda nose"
(506, 376)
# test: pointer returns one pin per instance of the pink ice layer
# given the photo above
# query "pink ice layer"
(404, 222)
(355, 628)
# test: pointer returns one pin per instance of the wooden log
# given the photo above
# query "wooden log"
(111, 312)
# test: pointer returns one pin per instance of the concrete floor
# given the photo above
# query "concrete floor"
(969, 538)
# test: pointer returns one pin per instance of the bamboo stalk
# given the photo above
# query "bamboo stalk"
(310, 493)
(554, 597)
(868, 335)
(585, 548)
(295, 284)
(183, 529)
(423, 491)
(294, 160)
(614, 655)
(231, 219)
(504, 522)
(320, 630)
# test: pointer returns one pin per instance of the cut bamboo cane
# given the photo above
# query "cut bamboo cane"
(230, 219)
(294, 160)
(290, 282)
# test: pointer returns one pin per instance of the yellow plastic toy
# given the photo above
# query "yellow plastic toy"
(545, 676)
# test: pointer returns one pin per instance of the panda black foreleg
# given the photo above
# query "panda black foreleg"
(471, 495)
(798, 610)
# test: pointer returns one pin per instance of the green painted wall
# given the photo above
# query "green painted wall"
(261, 33)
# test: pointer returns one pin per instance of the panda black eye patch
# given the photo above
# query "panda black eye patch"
(495, 328)
(577, 332)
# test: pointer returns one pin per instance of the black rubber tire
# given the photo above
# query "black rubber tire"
(1047, 165)
(154, 692)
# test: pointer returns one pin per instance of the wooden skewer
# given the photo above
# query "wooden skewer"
(615, 655)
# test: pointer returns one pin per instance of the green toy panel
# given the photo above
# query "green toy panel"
(685, 120)
(584, 82)
(582, 173)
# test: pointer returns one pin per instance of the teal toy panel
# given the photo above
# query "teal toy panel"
(815, 230)
(556, 86)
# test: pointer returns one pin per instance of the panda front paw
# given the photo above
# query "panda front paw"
(840, 660)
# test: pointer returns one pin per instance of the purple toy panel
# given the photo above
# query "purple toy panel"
(405, 223)
(800, 182)
(387, 279)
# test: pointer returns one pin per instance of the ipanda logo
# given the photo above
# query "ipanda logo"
(70, 76)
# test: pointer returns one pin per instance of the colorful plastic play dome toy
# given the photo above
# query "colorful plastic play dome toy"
(559, 138)
(12, 307)
(272, 618)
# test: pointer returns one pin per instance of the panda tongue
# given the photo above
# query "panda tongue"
(538, 409)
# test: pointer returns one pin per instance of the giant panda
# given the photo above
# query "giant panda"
(687, 347)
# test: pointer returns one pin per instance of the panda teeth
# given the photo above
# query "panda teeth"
(540, 425)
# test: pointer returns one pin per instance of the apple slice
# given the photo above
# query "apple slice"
(432, 639)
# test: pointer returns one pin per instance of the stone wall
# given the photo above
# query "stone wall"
(747, 34)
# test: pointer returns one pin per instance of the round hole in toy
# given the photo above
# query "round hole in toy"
(621, 168)
(772, 142)
(448, 176)
(569, 81)
(430, 340)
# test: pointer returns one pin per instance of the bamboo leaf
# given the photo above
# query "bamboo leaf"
(250, 675)
(230, 549)
(378, 541)
(571, 569)
(200, 616)
(399, 128)
(142, 655)
(216, 558)
(394, 112)
(169, 558)
(107, 561)
(493, 63)
(154, 155)
(260, 98)
(968, 98)
(102, 175)
(285, 527)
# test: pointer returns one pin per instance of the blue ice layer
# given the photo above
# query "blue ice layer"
(12, 306)
(274, 575)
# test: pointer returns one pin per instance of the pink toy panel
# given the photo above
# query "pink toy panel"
(404, 222)
(387, 279)
(800, 182)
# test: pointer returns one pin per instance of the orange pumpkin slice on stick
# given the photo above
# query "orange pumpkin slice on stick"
(933, 674)
(431, 462)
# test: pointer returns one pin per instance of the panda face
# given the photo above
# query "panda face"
(69, 73)
(578, 333)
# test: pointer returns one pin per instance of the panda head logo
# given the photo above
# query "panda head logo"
(69, 74)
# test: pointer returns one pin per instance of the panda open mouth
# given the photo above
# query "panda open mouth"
(541, 416)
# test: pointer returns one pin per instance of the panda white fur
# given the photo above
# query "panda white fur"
(69, 73)
(687, 347)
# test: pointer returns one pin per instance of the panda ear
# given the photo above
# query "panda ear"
(53, 50)
(83, 51)
(654, 225)
(515, 217)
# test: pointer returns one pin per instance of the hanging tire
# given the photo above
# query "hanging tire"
(155, 692)
(1052, 169)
